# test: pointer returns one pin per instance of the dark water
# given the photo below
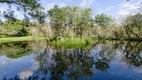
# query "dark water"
(107, 60)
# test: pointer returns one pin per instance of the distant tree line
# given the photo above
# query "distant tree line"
(66, 21)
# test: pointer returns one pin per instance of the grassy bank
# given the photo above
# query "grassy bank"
(60, 41)
(15, 39)
(67, 40)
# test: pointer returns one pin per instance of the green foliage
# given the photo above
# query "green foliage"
(70, 17)
(133, 25)
(16, 27)
(70, 42)
(57, 20)
(72, 21)
(16, 50)
(103, 20)
(23, 3)
(29, 8)
(24, 38)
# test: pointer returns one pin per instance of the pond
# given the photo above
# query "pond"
(102, 60)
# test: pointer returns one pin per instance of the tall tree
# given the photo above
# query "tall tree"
(57, 20)
(103, 20)
(74, 18)
(133, 25)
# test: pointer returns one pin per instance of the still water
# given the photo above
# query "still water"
(107, 60)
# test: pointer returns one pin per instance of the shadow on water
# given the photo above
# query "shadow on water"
(78, 63)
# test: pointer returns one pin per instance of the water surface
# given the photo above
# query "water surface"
(107, 60)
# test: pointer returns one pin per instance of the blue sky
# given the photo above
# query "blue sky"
(116, 8)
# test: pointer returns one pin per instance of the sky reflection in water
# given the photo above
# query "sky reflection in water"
(100, 61)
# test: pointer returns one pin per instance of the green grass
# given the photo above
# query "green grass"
(72, 42)
(62, 42)
(24, 38)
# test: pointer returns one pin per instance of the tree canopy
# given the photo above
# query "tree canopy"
(133, 25)
(29, 8)
(70, 17)
(17, 27)
(103, 20)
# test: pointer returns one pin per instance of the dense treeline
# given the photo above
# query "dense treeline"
(73, 21)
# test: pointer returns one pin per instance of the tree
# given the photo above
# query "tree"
(103, 20)
(28, 7)
(132, 53)
(17, 27)
(133, 25)
(57, 20)
(73, 18)
(85, 21)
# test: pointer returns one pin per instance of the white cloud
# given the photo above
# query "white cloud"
(4, 61)
(107, 9)
(122, 9)
(128, 8)
(123, 12)
(26, 74)
(86, 3)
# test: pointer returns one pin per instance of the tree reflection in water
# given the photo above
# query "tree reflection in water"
(82, 62)
(74, 63)
(103, 55)
(16, 50)
(133, 53)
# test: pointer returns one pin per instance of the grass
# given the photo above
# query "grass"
(62, 42)
(72, 42)
(24, 38)
(29, 38)
(66, 40)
